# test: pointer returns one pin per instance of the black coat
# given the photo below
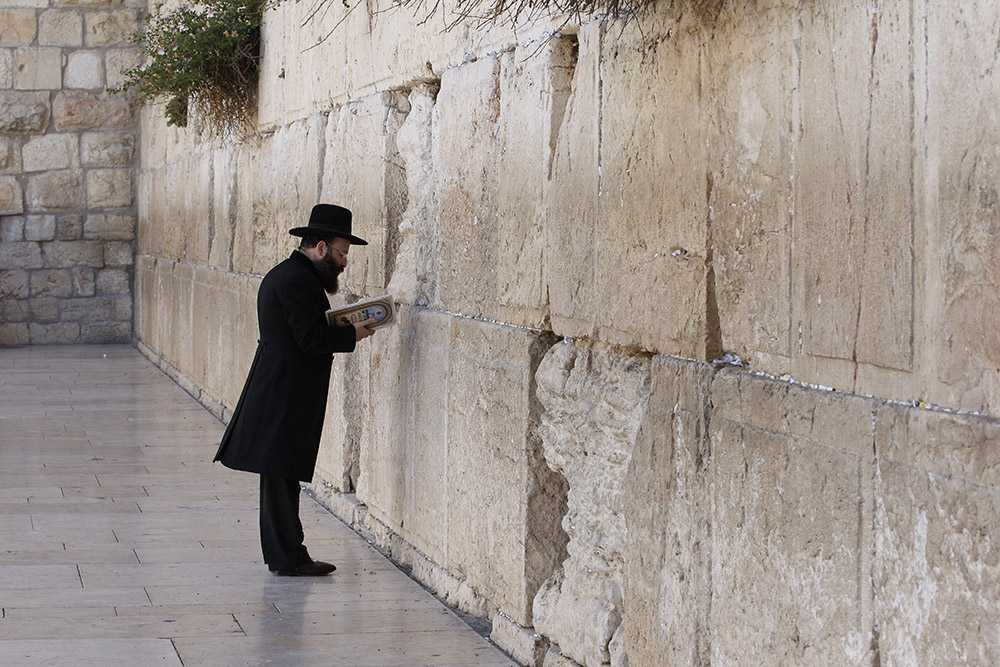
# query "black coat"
(278, 420)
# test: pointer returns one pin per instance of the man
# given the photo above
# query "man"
(276, 427)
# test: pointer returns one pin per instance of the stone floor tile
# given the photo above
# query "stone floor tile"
(121, 543)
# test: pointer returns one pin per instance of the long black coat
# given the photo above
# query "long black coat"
(278, 421)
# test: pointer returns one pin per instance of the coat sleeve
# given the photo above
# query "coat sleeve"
(306, 317)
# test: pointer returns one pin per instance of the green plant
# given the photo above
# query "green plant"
(206, 56)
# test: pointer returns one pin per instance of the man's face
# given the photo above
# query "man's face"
(332, 263)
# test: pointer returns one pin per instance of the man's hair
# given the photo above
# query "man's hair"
(313, 241)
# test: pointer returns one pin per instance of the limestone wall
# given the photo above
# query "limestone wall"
(576, 225)
(67, 171)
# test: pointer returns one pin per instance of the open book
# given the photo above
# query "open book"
(381, 308)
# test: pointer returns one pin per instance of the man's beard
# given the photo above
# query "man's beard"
(328, 269)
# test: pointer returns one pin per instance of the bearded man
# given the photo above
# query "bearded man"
(276, 427)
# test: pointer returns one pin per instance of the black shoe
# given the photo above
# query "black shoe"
(314, 568)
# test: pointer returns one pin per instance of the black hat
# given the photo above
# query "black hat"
(326, 221)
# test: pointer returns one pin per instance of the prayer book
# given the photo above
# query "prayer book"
(381, 308)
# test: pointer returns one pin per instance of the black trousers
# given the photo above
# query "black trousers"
(280, 528)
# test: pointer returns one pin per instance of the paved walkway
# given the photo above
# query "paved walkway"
(121, 544)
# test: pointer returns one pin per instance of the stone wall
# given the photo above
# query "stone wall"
(576, 227)
(67, 171)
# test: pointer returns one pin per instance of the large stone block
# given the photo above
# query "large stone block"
(792, 506)
(593, 398)
(11, 196)
(503, 528)
(69, 228)
(17, 27)
(937, 564)
(38, 68)
(61, 254)
(6, 68)
(572, 197)
(23, 112)
(465, 130)
(84, 69)
(853, 200)
(117, 61)
(10, 156)
(14, 284)
(751, 89)
(362, 171)
(20, 255)
(106, 332)
(56, 283)
(284, 197)
(109, 28)
(81, 110)
(667, 511)
(11, 228)
(60, 27)
(107, 149)
(56, 190)
(535, 85)
(413, 278)
(51, 151)
(963, 203)
(109, 188)
(13, 333)
(39, 228)
(54, 332)
(116, 281)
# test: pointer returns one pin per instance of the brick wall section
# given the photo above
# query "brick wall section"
(68, 151)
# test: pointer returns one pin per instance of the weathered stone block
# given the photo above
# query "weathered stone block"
(86, 309)
(81, 110)
(118, 254)
(6, 68)
(17, 27)
(593, 398)
(652, 206)
(39, 228)
(107, 149)
(84, 283)
(20, 255)
(55, 190)
(121, 309)
(14, 284)
(38, 68)
(109, 28)
(113, 281)
(413, 277)
(109, 188)
(117, 61)
(69, 228)
(61, 254)
(534, 89)
(13, 334)
(10, 156)
(668, 555)
(362, 172)
(51, 284)
(60, 332)
(464, 132)
(11, 197)
(937, 564)
(791, 511)
(106, 332)
(11, 228)
(15, 310)
(23, 112)
(51, 151)
(572, 197)
(60, 27)
(45, 311)
(523, 498)
(85, 69)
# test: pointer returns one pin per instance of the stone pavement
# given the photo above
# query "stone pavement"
(122, 544)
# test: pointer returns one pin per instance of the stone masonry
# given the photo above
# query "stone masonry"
(697, 359)
(67, 183)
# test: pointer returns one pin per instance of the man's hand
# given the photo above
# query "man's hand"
(361, 329)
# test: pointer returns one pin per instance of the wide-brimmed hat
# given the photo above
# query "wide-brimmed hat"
(329, 221)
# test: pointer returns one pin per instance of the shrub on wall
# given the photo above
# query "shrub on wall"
(206, 57)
